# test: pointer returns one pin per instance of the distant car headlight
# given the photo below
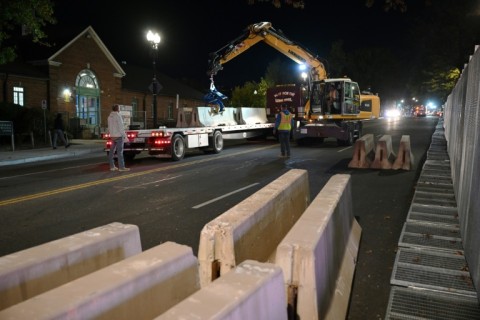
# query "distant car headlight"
(393, 113)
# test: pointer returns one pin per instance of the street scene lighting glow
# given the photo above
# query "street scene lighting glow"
(153, 38)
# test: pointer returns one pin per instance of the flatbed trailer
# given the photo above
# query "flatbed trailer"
(174, 142)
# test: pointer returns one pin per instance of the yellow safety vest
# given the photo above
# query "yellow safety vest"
(285, 122)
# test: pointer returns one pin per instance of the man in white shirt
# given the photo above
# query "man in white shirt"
(116, 129)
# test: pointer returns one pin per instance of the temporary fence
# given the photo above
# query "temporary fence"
(462, 124)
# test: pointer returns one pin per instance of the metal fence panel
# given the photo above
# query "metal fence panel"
(462, 124)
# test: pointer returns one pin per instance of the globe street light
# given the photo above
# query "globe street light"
(154, 39)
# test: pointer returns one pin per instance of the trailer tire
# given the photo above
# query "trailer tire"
(178, 147)
(217, 142)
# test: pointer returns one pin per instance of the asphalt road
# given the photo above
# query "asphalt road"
(172, 201)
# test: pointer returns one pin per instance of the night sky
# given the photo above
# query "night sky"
(190, 30)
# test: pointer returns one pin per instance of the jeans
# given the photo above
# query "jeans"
(117, 144)
(284, 138)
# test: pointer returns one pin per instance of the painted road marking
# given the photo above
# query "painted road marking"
(224, 196)
(120, 177)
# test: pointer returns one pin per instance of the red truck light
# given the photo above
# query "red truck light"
(131, 135)
(105, 135)
(108, 144)
(157, 134)
(161, 142)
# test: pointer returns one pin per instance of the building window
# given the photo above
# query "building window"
(88, 98)
(18, 96)
(134, 105)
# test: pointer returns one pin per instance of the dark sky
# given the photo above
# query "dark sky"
(190, 30)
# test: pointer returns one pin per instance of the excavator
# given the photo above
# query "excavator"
(335, 107)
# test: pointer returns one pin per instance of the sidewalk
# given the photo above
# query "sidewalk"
(77, 147)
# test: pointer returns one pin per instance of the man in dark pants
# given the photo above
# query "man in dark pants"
(59, 131)
(283, 126)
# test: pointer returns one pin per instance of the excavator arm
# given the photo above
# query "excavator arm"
(264, 31)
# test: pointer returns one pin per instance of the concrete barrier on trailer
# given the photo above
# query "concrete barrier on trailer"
(384, 155)
(404, 156)
(207, 117)
(319, 254)
(252, 290)
(30, 272)
(251, 115)
(362, 151)
(181, 119)
(140, 287)
(253, 228)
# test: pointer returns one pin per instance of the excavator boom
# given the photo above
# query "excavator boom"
(264, 31)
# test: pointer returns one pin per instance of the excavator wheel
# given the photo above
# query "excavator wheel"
(350, 137)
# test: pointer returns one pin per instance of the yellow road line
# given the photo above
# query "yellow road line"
(118, 178)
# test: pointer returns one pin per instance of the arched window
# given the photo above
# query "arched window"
(88, 97)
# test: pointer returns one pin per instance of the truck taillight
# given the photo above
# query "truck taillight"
(157, 134)
(108, 144)
(131, 135)
(161, 142)
(105, 135)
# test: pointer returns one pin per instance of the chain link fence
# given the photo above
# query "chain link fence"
(462, 127)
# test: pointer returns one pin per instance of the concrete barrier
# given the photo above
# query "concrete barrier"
(181, 118)
(251, 115)
(319, 254)
(30, 272)
(384, 155)
(139, 287)
(404, 156)
(209, 118)
(252, 290)
(362, 151)
(253, 228)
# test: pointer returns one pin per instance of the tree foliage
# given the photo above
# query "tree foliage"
(281, 71)
(27, 17)
(251, 94)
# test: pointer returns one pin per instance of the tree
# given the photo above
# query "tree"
(281, 72)
(251, 94)
(337, 60)
(26, 17)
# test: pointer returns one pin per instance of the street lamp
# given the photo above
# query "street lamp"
(154, 40)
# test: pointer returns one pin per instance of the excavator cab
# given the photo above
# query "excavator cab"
(334, 97)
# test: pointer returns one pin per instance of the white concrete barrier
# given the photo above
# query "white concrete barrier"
(139, 287)
(384, 155)
(251, 115)
(30, 272)
(252, 290)
(362, 151)
(253, 228)
(208, 118)
(404, 156)
(319, 254)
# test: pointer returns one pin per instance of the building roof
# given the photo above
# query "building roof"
(33, 63)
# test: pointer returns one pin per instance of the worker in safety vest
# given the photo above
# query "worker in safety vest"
(283, 126)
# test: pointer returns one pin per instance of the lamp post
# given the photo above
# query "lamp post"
(154, 39)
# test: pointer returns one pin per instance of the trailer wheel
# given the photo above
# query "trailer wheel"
(178, 147)
(217, 142)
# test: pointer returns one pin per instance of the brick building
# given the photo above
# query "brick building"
(83, 80)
